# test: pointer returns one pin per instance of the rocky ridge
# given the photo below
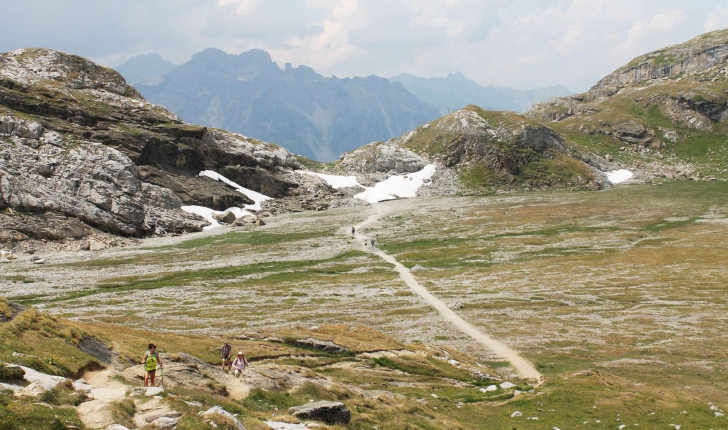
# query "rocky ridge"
(476, 148)
(78, 142)
(664, 115)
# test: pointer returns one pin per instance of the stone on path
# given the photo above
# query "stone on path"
(217, 410)
(165, 423)
(153, 391)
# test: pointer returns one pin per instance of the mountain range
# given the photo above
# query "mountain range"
(147, 66)
(309, 114)
(312, 115)
(456, 91)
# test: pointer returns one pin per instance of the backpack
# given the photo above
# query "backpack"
(151, 363)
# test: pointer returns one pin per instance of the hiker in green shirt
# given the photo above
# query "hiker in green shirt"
(150, 361)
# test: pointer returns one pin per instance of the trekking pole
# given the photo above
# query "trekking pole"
(161, 377)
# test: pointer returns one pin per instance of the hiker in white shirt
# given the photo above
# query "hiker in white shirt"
(240, 363)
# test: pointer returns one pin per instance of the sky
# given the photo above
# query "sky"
(516, 43)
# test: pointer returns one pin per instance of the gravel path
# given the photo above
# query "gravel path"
(523, 367)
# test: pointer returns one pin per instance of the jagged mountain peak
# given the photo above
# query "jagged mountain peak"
(47, 67)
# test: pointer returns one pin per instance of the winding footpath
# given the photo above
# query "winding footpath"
(523, 367)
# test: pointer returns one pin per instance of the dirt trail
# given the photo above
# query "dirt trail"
(523, 367)
(94, 413)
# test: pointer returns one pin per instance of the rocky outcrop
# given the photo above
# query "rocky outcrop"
(500, 146)
(633, 133)
(44, 172)
(690, 58)
(383, 157)
(328, 412)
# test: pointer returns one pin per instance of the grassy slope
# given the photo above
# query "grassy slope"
(706, 150)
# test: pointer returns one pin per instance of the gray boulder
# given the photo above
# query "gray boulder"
(328, 412)
(165, 423)
(383, 157)
(217, 411)
(226, 217)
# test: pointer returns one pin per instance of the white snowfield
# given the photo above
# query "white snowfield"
(619, 176)
(394, 187)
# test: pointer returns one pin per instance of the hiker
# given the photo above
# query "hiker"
(353, 230)
(239, 364)
(150, 361)
(372, 243)
(225, 353)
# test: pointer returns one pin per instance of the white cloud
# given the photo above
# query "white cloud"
(331, 45)
(717, 19)
(244, 7)
(521, 43)
(660, 23)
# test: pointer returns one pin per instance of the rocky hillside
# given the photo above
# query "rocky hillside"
(307, 113)
(456, 91)
(81, 152)
(664, 113)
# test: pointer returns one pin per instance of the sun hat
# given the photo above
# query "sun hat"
(240, 352)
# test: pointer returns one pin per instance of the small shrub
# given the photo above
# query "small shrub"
(10, 373)
(123, 412)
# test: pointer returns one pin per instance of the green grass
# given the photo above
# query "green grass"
(50, 344)
(26, 413)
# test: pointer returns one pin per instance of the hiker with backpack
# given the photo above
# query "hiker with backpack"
(240, 363)
(225, 352)
(150, 361)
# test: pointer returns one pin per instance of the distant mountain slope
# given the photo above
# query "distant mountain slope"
(305, 112)
(142, 67)
(456, 91)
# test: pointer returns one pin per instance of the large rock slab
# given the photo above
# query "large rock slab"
(88, 181)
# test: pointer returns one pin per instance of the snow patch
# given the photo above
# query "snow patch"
(335, 181)
(394, 187)
(619, 176)
(209, 214)
(255, 196)
(398, 186)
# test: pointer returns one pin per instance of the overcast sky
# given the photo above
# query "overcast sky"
(519, 43)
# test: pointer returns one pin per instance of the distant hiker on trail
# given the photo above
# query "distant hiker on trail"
(225, 353)
(150, 361)
(240, 363)
(353, 230)
(372, 243)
